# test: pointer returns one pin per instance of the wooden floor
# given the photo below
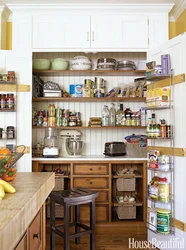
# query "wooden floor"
(113, 237)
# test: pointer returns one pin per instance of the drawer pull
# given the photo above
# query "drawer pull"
(36, 235)
(99, 168)
(90, 169)
(90, 182)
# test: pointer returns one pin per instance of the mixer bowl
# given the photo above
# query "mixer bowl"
(74, 147)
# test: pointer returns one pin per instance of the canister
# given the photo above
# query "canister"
(163, 221)
(163, 191)
(51, 121)
(76, 90)
(10, 132)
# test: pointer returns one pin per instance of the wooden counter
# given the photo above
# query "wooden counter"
(18, 210)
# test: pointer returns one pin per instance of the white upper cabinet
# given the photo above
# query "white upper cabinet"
(158, 29)
(61, 31)
(134, 31)
(106, 31)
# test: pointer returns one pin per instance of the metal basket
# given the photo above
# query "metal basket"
(9, 160)
(124, 184)
(59, 211)
(135, 150)
(126, 212)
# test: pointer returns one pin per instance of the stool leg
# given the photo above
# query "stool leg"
(66, 227)
(52, 225)
(92, 225)
(77, 219)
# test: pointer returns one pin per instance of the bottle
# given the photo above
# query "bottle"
(119, 115)
(149, 127)
(153, 122)
(112, 115)
(105, 116)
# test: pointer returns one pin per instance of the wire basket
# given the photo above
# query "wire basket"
(135, 150)
(126, 212)
(9, 160)
(124, 184)
(59, 211)
(59, 183)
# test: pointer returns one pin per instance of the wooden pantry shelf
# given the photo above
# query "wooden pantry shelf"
(86, 127)
(89, 99)
(126, 203)
(92, 72)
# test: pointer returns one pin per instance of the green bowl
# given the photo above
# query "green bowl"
(41, 64)
(59, 64)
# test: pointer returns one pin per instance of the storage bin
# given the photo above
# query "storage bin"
(126, 212)
(59, 211)
(124, 184)
(59, 183)
(135, 150)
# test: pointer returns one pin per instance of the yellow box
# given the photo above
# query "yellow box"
(162, 97)
(86, 91)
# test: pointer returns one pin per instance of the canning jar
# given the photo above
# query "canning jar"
(3, 101)
(51, 110)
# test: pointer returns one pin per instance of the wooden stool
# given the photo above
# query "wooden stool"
(73, 197)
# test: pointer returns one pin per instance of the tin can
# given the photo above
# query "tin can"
(163, 221)
(51, 110)
(51, 121)
(11, 76)
(163, 191)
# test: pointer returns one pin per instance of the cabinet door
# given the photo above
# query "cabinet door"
(158, 29)
(106, 32)
(134, 31)
(55, 32)
(35, 233)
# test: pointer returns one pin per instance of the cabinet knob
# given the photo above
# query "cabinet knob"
(36, 235)
(90, 182)
(90, 169)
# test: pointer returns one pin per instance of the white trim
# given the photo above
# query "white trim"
(178, 9)
(10, 19)
(125, 8)
(6, 12)
(172, 19)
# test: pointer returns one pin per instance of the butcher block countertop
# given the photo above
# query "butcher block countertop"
(19, 209)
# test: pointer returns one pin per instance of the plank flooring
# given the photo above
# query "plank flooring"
(113, 236)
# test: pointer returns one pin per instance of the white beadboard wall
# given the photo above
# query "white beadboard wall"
(94, 138)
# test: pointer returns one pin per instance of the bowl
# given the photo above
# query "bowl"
(81, 66)
(41, 64)
(74, 147)
(59, 64)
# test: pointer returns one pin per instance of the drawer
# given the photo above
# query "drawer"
(91, 182)
(103, 196)
(91, 169)
(22, 244)
(35, 233)
(102, 213)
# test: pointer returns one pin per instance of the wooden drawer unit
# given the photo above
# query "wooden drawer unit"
(35, 233)
(102, 213)
(22, 244)
(91, 182)
(103, 196)
(91, 169)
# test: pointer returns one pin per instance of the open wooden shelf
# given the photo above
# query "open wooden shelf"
(86, 127)
(92, 72)
(136, 203)
(89, 99)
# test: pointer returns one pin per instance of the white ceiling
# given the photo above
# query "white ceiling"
(178, 3)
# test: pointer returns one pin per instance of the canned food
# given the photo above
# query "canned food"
(163, 221)
(51, 121)
(163, 191)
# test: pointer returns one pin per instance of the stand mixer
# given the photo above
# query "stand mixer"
(71, 143)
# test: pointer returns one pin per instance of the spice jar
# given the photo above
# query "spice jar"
(10, 132)
(3, 101)
(128, 120)
(4, 135)
(163, 130)
(10, 101)
(11, 76)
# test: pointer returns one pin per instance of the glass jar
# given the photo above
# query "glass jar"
(51, 110)
(10, 101)
(4, 134)
(10, 132)
(133, 120)
(128, 120)
(3, 101)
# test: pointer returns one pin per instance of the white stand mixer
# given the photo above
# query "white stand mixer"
(68, 134)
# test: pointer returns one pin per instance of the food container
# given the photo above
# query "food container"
(163, 221)
(41, 64)
(59, 64)
(126, 65)
(158, 70)
(164, 162)
(76, 90)
(163, 191)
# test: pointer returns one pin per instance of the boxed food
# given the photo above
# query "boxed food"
(153, 158)
(162, 97)
(150, 68)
